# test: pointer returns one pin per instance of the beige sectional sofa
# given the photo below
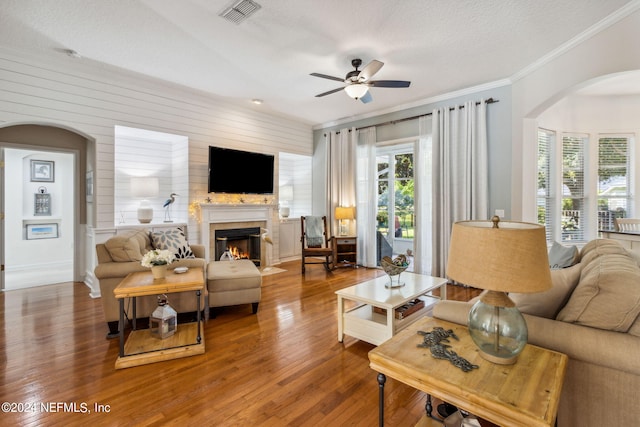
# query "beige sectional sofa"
(592, 315)
(121, 255)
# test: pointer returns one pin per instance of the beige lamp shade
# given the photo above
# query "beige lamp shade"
(144, 187)
(344, 212)
(510, 258)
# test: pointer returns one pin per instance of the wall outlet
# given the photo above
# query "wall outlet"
(500, 213)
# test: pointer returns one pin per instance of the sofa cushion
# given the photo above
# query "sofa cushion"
(173, 240)
(561, 256)
(598, 247)
(128, 246)
(548, 303)
(608, 294)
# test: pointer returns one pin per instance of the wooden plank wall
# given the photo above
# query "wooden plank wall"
(91, 99)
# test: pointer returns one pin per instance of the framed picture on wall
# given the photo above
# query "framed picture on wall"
(42, 204)
(42, 231)
(42, 171)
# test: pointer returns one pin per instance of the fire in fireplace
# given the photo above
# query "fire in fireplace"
(243, 243)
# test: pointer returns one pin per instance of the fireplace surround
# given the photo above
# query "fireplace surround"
(214, 217)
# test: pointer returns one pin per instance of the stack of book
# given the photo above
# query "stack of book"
(404, 310)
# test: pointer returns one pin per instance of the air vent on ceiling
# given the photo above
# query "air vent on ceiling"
(240, 11)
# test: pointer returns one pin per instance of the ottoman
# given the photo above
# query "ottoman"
(233, 283)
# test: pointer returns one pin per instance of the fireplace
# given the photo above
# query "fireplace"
(216, 217)
(242, 243)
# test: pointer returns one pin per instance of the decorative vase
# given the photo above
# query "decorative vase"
(159, 271)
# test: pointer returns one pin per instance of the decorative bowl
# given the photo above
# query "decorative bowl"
(393, 268)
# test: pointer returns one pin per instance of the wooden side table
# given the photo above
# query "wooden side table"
(140, 347)
(346, 251)
(524, 394)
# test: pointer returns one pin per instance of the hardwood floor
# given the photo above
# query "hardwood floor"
(283, 366)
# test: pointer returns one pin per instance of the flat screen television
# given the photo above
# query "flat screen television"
(242, 172)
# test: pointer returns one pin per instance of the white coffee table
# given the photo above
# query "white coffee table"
(364, 323)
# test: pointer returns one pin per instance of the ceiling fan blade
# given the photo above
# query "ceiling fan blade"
(366, 98)
(389, 83)
(369, 70)
(324, 76)
(329, 92)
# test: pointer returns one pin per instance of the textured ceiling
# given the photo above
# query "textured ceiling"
(440, 46)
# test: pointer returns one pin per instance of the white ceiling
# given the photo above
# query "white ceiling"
(440, 46)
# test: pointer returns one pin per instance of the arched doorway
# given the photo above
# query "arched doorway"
(59, 141)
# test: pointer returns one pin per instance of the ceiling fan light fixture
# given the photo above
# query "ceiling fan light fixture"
(356, 90)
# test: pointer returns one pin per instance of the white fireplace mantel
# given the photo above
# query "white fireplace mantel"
(211, 213)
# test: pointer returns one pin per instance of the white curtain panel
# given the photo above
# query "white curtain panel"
(341, 172)
(367, 196)
(460, 182)
(423, 169)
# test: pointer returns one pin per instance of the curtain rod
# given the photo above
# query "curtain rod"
(393, 122)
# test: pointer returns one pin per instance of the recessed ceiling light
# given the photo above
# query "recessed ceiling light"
(257, 101)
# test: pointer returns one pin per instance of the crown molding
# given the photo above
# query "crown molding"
(596, 28)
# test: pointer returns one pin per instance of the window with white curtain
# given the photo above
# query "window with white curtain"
(575, 166)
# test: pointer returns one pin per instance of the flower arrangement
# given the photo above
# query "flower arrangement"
(157, 257)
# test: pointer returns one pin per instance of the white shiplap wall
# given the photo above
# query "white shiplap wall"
(92, 99)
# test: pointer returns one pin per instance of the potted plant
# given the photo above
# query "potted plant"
(157, 260)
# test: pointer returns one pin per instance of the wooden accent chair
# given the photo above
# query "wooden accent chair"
(316, 242)
(627, 224)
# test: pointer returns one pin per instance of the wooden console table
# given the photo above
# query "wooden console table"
(523, 394)
(140, 347)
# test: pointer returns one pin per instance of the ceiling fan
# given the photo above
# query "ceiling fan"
(358, 81)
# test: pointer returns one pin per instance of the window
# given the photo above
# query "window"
(545, 186)
(567, 170)
(395, 215)
(574, 216)
(614, 198)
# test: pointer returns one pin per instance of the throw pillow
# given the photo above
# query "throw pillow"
(562, 256)
(128, 246)
(607, 296)
(548, 303)
(173, 240)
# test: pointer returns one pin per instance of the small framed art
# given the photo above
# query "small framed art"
(42, 231)
(42, 204)
(42, 171)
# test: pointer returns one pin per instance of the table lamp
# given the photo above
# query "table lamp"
(499, 257)
(342, 214)
(144, 187)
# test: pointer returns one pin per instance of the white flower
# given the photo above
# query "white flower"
(157, 257)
